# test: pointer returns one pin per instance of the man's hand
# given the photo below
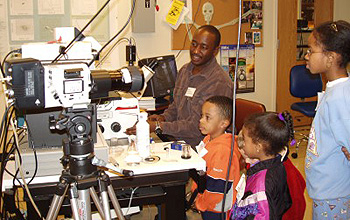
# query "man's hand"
(346, 153)
(152, 126)
(131, 131)
(151, 121)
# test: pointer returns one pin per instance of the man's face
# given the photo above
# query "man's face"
(202, 47)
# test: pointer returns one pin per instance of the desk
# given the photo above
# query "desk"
(162, 182)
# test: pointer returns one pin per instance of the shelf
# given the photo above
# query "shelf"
(304, 31)
(302, 46)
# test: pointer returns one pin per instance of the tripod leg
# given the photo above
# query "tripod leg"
(97, 202)
(102, 184)
(55, 207)
(115, 202)
(73, 194)
(84, 204)
(57, 200)
(105, 203)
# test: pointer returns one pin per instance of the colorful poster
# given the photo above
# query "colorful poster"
(245, 70)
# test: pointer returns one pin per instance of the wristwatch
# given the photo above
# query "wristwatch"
(158, 129)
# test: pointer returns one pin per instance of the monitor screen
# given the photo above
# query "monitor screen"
(163, 81)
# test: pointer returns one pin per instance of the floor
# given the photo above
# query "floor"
(149, 212)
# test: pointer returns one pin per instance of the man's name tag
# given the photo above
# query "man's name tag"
(190, 92)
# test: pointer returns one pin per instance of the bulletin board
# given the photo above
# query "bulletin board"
(224, 16)
(35, 20)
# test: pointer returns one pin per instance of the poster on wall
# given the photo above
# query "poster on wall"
(246, 65)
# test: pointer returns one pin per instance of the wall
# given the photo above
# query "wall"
(159, 43)
(341, 10)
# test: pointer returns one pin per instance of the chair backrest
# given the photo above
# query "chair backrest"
(303, 84)
(244, 108)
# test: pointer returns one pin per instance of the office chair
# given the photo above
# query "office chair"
(245, 108)
(303, 85)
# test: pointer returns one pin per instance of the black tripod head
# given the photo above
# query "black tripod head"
(78, 149)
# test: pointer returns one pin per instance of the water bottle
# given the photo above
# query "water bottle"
(142, 136)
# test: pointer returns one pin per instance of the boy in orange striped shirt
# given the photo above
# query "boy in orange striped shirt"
(215, 150)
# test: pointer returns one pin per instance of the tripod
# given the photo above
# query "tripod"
(80, 175)
(79, 195)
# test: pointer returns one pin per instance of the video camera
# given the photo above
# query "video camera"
(37, 85)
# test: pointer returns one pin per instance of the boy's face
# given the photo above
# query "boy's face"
(211, 121)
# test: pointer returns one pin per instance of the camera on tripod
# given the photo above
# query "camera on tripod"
(72, 85)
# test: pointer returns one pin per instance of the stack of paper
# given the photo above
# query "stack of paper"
(147, 103)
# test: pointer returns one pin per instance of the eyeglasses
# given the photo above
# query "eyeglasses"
(309, 52)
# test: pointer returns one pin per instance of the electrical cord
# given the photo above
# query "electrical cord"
(4, 145)
(2, 71)
(111, 49)
(19, 165)
(137, 54)
(34, 151)
(189, 29)
(16, 144)
(130, 200)
(11, 143)
(63, 52)
(121, 30)
(223, 214)
(7, 55)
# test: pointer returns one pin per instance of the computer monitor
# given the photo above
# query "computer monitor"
(163, 81)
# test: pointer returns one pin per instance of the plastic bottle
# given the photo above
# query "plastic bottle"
(142, 136)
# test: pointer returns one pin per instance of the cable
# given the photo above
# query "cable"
(127, 22)
(4, 145)
(194, 20)
(63, 52)
(2, 71)
(31, 145)
(25, 184)
(137, 54)
(223, 214)
(129, 205)
(111, 49)
(16, 143)
(3, 61)
(4, 131)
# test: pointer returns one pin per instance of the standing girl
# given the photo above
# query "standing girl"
(266, 195)
(327, 169)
